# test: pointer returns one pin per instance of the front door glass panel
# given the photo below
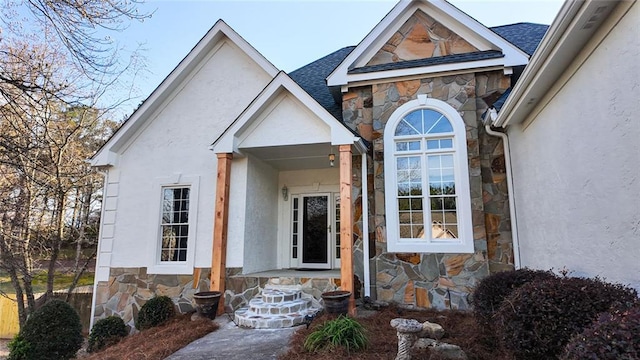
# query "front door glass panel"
(315, 230)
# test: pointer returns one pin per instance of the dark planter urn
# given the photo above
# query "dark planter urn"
(207, 303)
(336, 302)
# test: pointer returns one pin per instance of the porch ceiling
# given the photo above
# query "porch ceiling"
(295, 157)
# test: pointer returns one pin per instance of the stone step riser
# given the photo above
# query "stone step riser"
(275, 309)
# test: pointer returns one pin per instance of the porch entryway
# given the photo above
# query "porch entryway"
(315, 231)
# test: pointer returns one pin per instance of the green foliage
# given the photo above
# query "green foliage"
(537, 320)
(492, 290)
(105, 332)
(154, 312)
(614, 336)
(342, 331)
(53, 332)
(18, 348)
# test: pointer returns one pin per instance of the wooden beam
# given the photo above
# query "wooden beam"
(220, 225)
(196, 277)
(346, 226)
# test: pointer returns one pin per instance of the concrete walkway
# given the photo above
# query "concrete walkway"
(230, 342)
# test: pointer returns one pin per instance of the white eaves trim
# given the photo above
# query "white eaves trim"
(448, 15)
(107, 155)
(557, 51)
(356, 79)
(228, 141)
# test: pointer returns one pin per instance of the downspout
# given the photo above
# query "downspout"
(492, 115)
(365, 225)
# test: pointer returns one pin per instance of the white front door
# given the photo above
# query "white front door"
(315, 232)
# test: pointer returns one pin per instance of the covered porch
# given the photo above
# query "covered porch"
(284, 207)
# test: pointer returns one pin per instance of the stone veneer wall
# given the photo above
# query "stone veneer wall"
(421, 37)
(438, 280)
(128, 289)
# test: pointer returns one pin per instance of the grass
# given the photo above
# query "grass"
(61, 281)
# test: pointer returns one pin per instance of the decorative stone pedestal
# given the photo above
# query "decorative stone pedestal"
(277, 308)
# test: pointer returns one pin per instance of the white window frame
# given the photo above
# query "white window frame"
(155, 244)
(464, 243)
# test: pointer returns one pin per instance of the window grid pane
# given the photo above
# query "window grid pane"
(294, 231)
(174, 224)
(337, 226)
(438, 167)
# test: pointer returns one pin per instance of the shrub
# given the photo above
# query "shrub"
(342, 331)
(154, 312)
(538, 319)
(490, 292)
(613, 336)
(105, 332)
(18, 348)
(52, 332)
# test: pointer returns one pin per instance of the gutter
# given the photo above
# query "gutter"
(491, 115)
(539, 60)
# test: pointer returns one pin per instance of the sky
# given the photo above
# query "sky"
(288, 33)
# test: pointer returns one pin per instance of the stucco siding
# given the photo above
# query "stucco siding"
(173, 145)
(260, 231)
(575, 167)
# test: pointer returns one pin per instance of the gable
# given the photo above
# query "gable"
(424, 37)
(223, 62)
(286, 121)
(421, 37)
(284, 114)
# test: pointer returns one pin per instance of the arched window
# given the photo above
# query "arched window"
(427, 194)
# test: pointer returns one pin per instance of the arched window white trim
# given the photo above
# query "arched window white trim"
(425, 147)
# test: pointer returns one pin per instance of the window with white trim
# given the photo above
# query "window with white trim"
(174, 224)
(427, 194)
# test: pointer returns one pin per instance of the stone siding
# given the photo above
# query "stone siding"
(421, 37)
(426, 279)
(128, 289)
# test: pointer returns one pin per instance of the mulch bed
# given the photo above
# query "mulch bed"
(157, 343)
(459, 326)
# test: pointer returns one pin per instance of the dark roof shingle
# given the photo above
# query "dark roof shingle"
(526, 36)
(437, 60)
(311, 77)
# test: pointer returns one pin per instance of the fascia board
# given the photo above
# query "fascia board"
(136, 121)
(338, 75)
(426, 70)
(227, 142)
(557, 51)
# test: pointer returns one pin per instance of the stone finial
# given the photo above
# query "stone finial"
(406, 331)
(431, 330)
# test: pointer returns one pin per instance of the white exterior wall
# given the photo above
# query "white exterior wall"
(175, 141)
(261, 217)
(576, 167)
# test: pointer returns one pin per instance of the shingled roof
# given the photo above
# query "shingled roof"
(311, 77)
(526, 36)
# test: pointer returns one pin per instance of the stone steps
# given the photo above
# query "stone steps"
(277, 308)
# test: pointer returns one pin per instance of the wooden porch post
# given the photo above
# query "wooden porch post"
(346, 226)
(221, 222)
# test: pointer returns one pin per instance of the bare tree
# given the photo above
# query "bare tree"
(55, 65)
